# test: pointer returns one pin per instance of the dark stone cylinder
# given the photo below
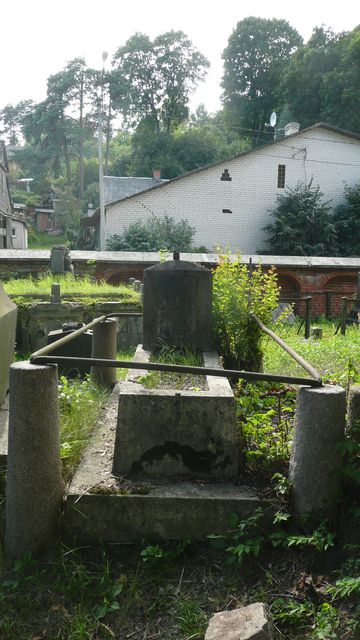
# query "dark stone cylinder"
(34, 487)
(177, 305)
(104, 346)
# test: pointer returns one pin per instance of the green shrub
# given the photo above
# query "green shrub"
(237, 294)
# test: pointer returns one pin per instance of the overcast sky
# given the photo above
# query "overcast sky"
(38, 37)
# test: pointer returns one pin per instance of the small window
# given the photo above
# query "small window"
(281, 176)
(225, 176)
(226, 211)
(13, 231)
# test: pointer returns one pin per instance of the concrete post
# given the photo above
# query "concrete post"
(353, 413)
(34, 487)
(315, 460)
(104, 346)
(55, 297)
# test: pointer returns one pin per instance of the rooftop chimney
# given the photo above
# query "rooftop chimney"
(157, 175)
(292, 127)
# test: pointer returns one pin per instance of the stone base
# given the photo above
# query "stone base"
(247, 623)
(185, 433)
(103, 507)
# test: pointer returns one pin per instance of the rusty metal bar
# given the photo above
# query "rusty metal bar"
(54, 345)
(301, 361)
(58, 343)
(344, 315)
(175, 368)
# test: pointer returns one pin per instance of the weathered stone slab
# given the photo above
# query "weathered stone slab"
(8, 314)
(247, 623)
(177, 305)
(103, 506)
(164, 433)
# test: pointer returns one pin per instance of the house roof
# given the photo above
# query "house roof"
(119, 187)
(319, 125)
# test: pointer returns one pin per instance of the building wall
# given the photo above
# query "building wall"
(20, 237)
(331, 160)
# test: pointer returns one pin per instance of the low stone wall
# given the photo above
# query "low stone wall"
(35, 322)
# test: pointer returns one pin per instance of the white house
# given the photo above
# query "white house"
(228, 202)
(13, 228)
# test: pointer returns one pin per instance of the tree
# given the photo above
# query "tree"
(74, 89)
(154, 79)
(347, 223)
(303, 225)
(68, 207)
(257, 53)
(155, 234)
(11, 119)
(303, 80)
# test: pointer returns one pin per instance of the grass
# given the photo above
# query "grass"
(336, 357)
(80, 405)
(166, 380)
(69, 285)
(38, 240)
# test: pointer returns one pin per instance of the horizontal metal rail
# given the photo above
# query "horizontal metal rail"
(173, 368)
(43, 356)
(299, 359)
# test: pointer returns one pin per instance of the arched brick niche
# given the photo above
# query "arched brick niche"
(122, 277)
(289, 287)
(340, 285)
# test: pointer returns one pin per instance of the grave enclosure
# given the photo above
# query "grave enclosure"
(161, 463)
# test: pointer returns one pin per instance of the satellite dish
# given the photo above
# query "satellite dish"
(273, 119)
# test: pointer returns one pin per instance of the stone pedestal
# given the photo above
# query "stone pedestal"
(34, 486)
(104, 346)
(315, 464)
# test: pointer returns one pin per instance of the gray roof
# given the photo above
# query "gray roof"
(318, 125)
(118, 187)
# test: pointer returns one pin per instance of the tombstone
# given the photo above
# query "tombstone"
(285, 311)
(8, 314)
(177, 305)
(60, 261)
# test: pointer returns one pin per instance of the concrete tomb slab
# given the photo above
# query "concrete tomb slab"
(165, 433)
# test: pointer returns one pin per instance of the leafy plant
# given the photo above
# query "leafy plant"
(236, 294)
(265, 418)
(80, 405)
(155, 234)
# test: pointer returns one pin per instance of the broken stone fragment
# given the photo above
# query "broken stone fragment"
(247, 623)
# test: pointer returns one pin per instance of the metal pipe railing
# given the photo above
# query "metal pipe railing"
(42, 356)
(58, 343)
(174, 368)
(299, 359)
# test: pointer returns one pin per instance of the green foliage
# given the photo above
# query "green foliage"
(169, 550)
(255, 58)
(265, 419)
(69, 285)
(303, 225)
(347, 222)
(345, 587)
(154, 79)
(155, 234)
(236, 294)
(80, 405)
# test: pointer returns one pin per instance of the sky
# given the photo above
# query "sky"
(38, 37)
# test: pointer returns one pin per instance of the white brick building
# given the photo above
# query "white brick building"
(228, 203)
